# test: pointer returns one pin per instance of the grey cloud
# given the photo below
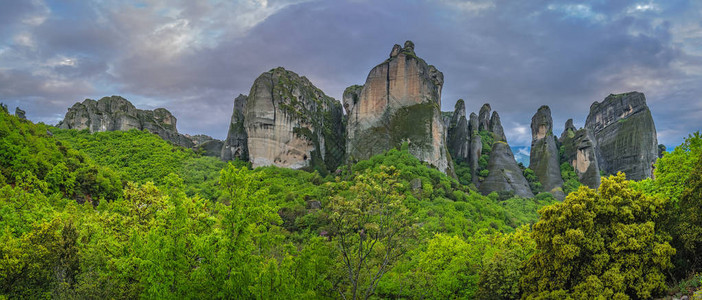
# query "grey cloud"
(517, 55)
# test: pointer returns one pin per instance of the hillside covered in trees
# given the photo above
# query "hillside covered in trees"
(127, 215)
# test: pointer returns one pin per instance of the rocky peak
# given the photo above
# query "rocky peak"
(569, 130)
(541, 123)
(399, 102)
(496, 127)
(625, 135)
(20, 113)
(484, 117)
(544, 159)
(458, 112)
(236, 144)
(117, 113)
(473, 123)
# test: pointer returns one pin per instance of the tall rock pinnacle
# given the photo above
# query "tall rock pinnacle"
(544, 153)
(400, 102)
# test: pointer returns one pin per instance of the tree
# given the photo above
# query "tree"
(689, 226)
(603, 243)
(371, 228)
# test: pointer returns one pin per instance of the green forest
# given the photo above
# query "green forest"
(127, 215)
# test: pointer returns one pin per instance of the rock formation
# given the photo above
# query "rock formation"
(116, 113)
(484, 117)
(476, 146)
(458, 139)
(544, 158)
(579, 150)
(236, 144)
(625, 135)
(291, 123)
(206, 145)
(20, 113)
(504, 172)
(399, 102)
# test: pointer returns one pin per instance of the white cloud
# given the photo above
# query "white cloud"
(579, 11)
(472, 7)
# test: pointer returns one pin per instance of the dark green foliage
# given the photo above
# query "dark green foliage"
(463, 173)
(534, 184)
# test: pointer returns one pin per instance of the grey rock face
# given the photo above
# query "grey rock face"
(505, 174)
(579, 151)
(116, 113)
(569, 127)
(484, 117)
(399, 102)
(236, 144)
(496, 127)
(544, 153)
(625, 135)
(20, 113)
(458, 139)
(291, 123)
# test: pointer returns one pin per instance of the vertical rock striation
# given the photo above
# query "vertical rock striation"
(291, 123)
(458, 138)
(399, 102)
(544, 158)
(578, 149)
(624, 134)
(236, 144)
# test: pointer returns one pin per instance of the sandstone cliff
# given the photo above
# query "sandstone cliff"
(625, 135)
(544, 158)
(116, 113)
(236, 144)
(399, 102)
(291, 123)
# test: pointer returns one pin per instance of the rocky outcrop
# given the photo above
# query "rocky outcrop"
(458, 139)
(236, 144)
(20, 113)
(543, 159)
(624, 134)
(399, 102)
(484, 117)
(291, 123)
(206, 145)
(504, 172)
(116, 113)
(578, 149)
(476, 146)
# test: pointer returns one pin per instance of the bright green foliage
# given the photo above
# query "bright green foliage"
(142, 156)
(29, 148)
(570, 179)
(602, 243)
(371, 228)
(688, 229)
(674, 169)
(504, 265)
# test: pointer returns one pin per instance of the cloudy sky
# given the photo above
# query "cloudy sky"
(194, 57)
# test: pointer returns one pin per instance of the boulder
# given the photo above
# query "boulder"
(399, 102)
(236, 144)
(544, 159)
(291, 123)
(624, 135)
